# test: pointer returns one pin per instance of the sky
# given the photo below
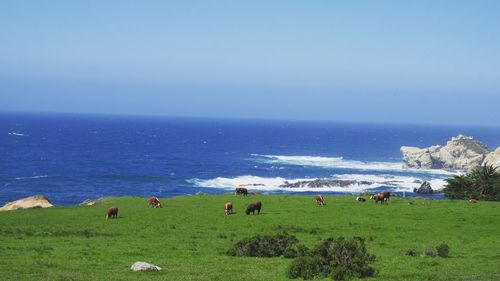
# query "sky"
(429, 62)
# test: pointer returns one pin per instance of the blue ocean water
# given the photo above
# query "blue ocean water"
(70, 158)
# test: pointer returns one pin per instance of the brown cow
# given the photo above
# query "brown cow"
(154, 202)
(381, 196)
(241, 191)
(377, 198)
(360, 199)
(254, 206)
(386, 195)
(228, 208)
(319, 199)
(472, 200)
(112, 212)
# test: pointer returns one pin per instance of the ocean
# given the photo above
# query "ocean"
(70, 158)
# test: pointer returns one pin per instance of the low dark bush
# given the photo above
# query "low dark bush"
(264, 245)
(411, 253)
(443, 250)
(339, 258)
(429, 251)
(307, 267)
(295, 251)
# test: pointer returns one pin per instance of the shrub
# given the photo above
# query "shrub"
(340, 258)
(429, 251)
(263, 245)
(295, 251)
(308, 267)
(482, 184)
(443, 250)
(411, 253)
(290, 253)
(339, 273)
(349, 254)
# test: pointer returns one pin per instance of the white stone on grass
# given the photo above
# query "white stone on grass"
(144, 266)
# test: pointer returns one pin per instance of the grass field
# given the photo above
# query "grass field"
(188, 238)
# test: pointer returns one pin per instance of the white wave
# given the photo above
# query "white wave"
(229, 183)
(33, 177)
(341, 163)
(400, 183)
(396, 183)
(17, 134)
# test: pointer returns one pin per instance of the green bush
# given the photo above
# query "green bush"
(295, 251)
(443, 250)
(429, 251)
(307, 267)
(339, 258)
(290, 253)
(411, 253)
(482, 184)
(339, 273)
(264, 245)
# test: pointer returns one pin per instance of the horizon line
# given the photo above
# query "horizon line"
(263, 119)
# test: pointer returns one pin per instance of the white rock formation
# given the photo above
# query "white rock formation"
(90, 202)
(493, 158)
(459, 153)
(37, 201)
(144, 266)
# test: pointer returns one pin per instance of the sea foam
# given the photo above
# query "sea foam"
(362, 183)
(33, 177)
(17, 134)
(341, 163)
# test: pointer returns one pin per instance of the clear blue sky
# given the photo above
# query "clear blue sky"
(376, 61)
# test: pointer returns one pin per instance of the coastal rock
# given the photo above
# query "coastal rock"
(90, 202)
(144, 266)
(425, 188)
(317, 183)
(493, 158)
(460, 153)
(37, 201)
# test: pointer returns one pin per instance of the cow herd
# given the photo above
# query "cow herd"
(253, 207)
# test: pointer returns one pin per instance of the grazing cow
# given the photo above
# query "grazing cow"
(360, 199)
(377, 198)
(154, 202)
(228, 208)
(254, 206)
(112, 213)
(386, 195)
(472, 200)
(319, 199)
(241, 191)
(381, 196)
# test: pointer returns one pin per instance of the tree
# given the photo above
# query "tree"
(482, 184)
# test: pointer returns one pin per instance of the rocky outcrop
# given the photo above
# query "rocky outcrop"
(493, 158)
(425, 188)
(144, 266)
(90, 202)
(460, 153)
(37, 201)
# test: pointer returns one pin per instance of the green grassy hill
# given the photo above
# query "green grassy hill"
(188, 238)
